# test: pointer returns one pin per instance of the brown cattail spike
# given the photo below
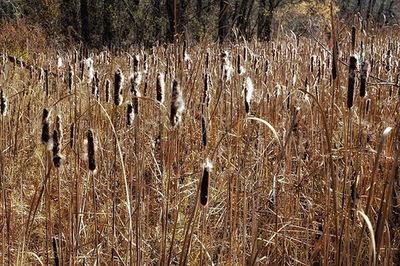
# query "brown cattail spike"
(57, 139)
(70, 78)
(118, 86)
(177, 105)
(3, 103)
(160, 88)
(91, 151)
(353, 38)
(351, 81)
(45, 137)
(107, 90)
(205, 182)
(203, 131)
(365, 70)
(72, 136)
(130, 116)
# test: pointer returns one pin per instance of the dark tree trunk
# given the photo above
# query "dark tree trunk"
(68, 14)
(265, 18)
(171, 14)
(223, 24)
(85, 21)
(136, 2)
(107, 23)
(241, 17)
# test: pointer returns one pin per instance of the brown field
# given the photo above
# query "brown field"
(302, 175)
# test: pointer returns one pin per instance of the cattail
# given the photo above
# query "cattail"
(388, 60)
(3, 103)
(248, 93)
(70, 78)
(177, 104)
(72, 136)
(136, 94)
(136, 61)
(107, 90)
(207, 167)
(95, 86)
(206, 91)
(365, 70)
(136, 79)
(130, 116)
(45, 137)
(353, 38)
(91, 150)
(88, 66)
(160, 88)
(367, 106)
(351, 82)
(118, 86)
(227, 68)
(57, 139)
(203, 131)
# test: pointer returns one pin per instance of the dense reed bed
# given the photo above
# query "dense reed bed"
(244, 154)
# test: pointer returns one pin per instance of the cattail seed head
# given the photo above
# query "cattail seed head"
(70, 78)
(91, 150)
(203, 131)
(45, 137)
(160, 88)
(227, 69)
(206, 92)
(207, 167)
(351, 80)
(177, 104)
(57, 140)
(248, 93)
(3, 103)
(95, 86)
(72, 136)
(365, 70)
(130, 116)
(107, 90)
(118, 87)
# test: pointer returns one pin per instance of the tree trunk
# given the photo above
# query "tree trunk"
(223, 20)
(171, 14)
(85, 21)
(107, 23)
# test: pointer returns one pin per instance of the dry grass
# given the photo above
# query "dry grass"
(299, 172)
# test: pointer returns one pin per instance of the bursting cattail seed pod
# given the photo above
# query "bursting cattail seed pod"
(248, 93)
(207, 167)
(45, 136)
(130, 116)
(118, 87)
(365, 70)
(227, 68)
(206, 91)
(351, 81)
(160, 88)
(95, 86)
(91, 150)
(107, 90)
(3, 103)
(177, 105)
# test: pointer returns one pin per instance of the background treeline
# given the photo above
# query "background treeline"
(121, 23)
